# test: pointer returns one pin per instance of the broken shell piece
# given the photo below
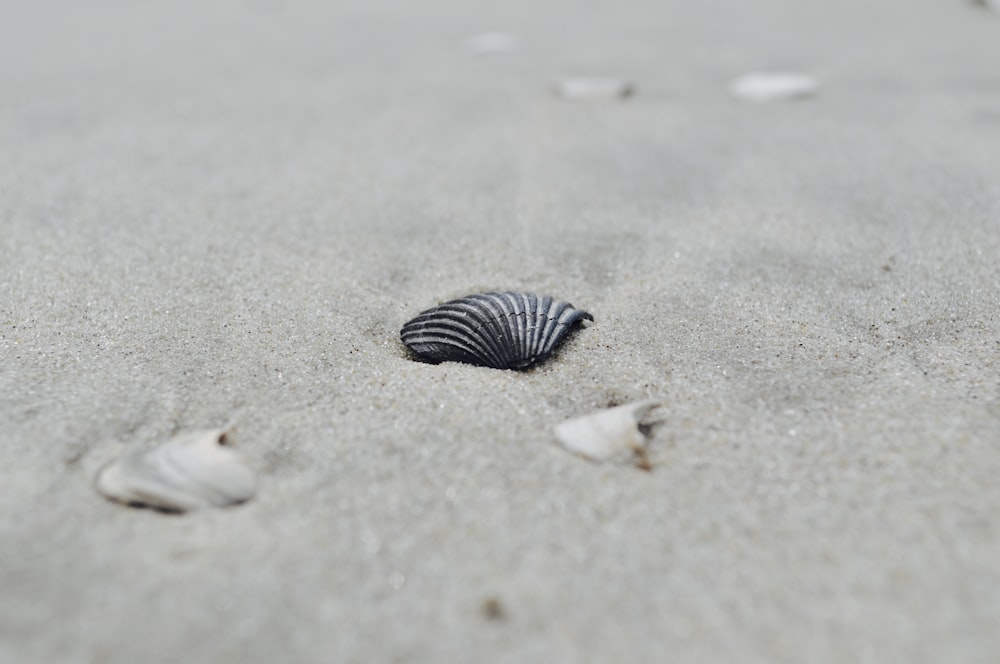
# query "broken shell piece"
(191, 471)
(769, 86)
(491, 43)
(594, 89)
(607, 434)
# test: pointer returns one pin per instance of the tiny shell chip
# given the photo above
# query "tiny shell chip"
(491, 43)
(192, 471)
(594, 89)
(606, 434)
(770, 86)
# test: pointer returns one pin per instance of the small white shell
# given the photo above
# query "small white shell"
(192, 471)
(594, 89)
(607, 434)
(769, 86)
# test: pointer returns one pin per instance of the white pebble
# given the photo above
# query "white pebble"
(594, 89)
(769, 86)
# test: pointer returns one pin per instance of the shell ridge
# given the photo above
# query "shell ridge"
(514, 323)
(549, 326)
(469, 321)
(498, 325)
(510, 325)
(522, 324)
(555, 336)
(541, 315)
(564, 320)
(531, 324)
(438, 344)
(553, 330)
(448, 330)
(438, 352)
(489, 328)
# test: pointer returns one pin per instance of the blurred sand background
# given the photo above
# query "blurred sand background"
(220, 214)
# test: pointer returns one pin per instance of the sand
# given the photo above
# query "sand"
(220, 214)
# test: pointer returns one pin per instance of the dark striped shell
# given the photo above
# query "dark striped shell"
(499, 330)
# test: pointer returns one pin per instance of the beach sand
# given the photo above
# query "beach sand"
(220, 214)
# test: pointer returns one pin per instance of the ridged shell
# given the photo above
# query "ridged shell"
(191, 471)
(498, 330)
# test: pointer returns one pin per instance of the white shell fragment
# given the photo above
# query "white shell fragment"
(491, 43)
(770, 86)
(607, 434)
(190, 472)
(594, 89)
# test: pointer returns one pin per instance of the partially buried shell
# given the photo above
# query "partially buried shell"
(607, 434)
(499, 330)
(191, 471)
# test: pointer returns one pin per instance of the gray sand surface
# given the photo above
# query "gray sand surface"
(220, 214)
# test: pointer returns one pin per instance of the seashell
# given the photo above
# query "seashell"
(192, 471)
(769, 86)
(594, 88)
(607, 434)
(498, 330)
